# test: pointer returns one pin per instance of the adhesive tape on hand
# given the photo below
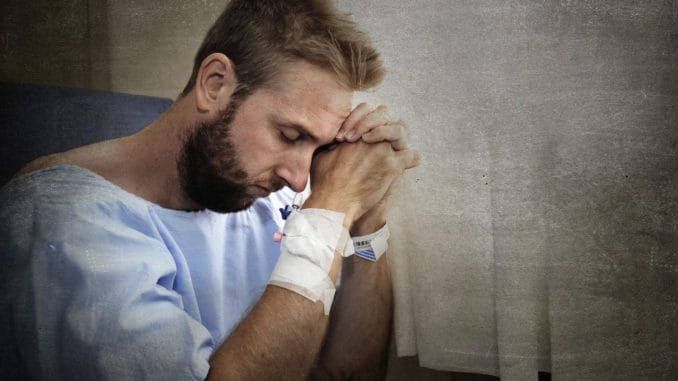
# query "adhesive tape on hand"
(311, 237)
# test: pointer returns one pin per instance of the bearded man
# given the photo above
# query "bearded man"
(151, 256)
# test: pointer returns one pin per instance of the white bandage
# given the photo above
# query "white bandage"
(310, 239)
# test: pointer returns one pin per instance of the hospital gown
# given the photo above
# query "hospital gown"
(98, 283)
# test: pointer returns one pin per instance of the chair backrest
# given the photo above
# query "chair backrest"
(39, 120)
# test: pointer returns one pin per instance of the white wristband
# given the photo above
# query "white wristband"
(372, 246)
(310, 238)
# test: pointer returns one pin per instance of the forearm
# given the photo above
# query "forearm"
(279, 339)
(360, 323)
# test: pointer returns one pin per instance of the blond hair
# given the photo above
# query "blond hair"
(259, 36)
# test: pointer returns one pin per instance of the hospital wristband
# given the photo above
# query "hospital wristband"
(371, 247)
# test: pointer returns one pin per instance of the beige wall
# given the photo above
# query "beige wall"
(138, 47)
(45, 42)
(152, 47)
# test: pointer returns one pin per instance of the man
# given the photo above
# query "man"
(151, 256)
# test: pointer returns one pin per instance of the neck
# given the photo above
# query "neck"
(151, 157)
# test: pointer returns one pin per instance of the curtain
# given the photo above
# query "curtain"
(540, 232)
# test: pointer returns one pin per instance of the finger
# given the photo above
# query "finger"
(409, 158)
(356, 115)
(394, 132)
(376, 118)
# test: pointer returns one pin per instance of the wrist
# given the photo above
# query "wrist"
(350, 211)
(312, 242)
(370, 222)
(364, 227)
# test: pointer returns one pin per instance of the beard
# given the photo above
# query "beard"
(210, 170)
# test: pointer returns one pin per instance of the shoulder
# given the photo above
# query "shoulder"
(96, 157)
(41, 163)
(69, 200)
(70, 219)
(64, 223)
(87, 267)
(62, 184)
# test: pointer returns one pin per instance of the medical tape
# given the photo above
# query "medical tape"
(310, 239)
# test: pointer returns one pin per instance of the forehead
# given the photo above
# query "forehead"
(310, 96)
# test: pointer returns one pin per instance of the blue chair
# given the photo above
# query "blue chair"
(40, 120)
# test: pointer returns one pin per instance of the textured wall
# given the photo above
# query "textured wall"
(59, 43)
(152, 44)
(46, 42)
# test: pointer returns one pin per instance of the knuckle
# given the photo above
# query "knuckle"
(402, 125)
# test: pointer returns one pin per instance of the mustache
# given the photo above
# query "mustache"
(275, 184)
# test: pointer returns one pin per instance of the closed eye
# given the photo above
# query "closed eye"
(290, 135)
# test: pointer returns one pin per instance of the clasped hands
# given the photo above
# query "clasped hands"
(356, 179)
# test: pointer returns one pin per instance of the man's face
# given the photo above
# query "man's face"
(265, 142)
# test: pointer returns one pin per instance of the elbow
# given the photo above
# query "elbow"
(336, 374)
(369, 365)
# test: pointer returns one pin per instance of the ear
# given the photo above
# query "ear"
(215, 83)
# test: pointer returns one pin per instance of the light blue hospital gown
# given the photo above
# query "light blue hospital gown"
(98, 283)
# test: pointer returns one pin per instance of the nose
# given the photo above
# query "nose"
(295, 170)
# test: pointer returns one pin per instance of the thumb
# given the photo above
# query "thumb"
(409, 158)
